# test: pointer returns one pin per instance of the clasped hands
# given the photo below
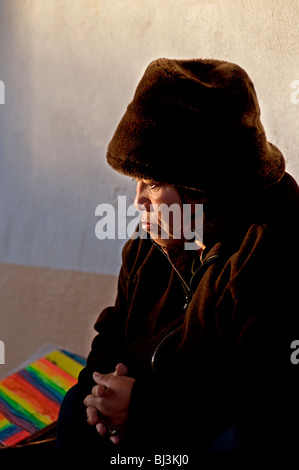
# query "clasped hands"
(107, 407)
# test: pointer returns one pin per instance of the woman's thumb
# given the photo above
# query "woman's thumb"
(121, 369)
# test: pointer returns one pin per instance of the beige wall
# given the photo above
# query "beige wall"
(70, 68)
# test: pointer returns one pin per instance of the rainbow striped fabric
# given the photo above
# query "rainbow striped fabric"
(30, 399)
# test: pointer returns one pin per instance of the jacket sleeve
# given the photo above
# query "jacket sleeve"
(258, 378)
(109, 345)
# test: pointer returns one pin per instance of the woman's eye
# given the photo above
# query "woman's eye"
(153, 185)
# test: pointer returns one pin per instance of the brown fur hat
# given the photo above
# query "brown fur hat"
(196, 124)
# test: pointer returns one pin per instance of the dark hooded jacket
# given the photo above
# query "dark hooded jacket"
(211, 351)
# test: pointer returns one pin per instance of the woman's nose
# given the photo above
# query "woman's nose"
(141, 201)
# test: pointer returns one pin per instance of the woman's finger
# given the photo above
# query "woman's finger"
(121, 369)
(91, 400)
(102, 429)
(115, 439)
(98, 390)
(101, 379)
(92, 415)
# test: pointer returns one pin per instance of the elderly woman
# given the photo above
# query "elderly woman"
(195, 354)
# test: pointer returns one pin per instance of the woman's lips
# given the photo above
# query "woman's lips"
(146, 225)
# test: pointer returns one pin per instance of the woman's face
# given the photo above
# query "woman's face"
(162, 215)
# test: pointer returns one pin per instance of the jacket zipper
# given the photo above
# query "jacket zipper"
(160, 344)
(185, 286)
(187, 292)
